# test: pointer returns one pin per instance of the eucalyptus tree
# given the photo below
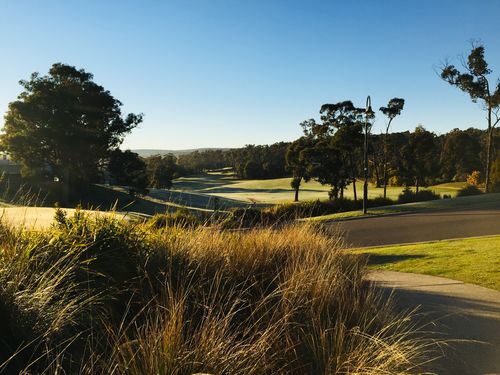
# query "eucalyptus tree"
(345, 122)
(129, 169)
(393, 109)
(297, 163)
(64, 125)
(419, 158)
(474, 81)
(162, 169)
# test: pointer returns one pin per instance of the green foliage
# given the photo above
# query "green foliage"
(98, 296)
(393, 109)
(336, 142)
(495, 174)
(57, 283)
(297, 163)
(180, 218)
(258, 162)
(475, 83)
(128, 169)
(409, 196)
(162, 170)
(469, 190)
(419, 158)
(461, 153)
(288, 212)
(249, 162)
(64, 125)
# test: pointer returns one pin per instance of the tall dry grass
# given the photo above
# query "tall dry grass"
(99, 296)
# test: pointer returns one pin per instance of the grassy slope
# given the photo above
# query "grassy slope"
(278, 190)
(40, 217)
(472, 260)
(411, 207)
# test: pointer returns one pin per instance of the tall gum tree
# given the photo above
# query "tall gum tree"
(297, 163)
(393, 109)
(345, 122)
(474, 81)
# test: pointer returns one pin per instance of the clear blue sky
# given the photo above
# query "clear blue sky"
(228, 73)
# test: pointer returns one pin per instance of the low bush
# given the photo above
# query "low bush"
(409, 196)
(180, 218)
(469, 190)
(287, 212)
(98, 296)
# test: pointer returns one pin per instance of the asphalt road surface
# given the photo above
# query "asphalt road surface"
(477, 220)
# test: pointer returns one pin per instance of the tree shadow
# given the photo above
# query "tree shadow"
(377, 259)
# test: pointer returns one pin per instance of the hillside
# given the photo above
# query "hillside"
(149, 152)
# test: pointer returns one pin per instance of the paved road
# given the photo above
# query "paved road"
(477, 220)
(465, 315)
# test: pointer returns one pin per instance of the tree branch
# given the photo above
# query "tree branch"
(497, 117)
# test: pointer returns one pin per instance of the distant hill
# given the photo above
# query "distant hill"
(149, 152)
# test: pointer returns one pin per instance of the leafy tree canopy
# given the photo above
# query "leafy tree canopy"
(474, 81)
(127, 168)
(162, 170)
(64, 124)
(393, 109)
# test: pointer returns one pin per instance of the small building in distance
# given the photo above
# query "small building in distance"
(9, 170)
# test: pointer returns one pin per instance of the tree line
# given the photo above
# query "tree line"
(65, 127)
(330, 152)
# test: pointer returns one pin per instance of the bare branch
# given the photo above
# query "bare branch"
(496, 113)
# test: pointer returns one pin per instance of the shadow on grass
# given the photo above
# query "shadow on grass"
(376, 259)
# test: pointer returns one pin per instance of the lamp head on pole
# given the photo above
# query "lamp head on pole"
(369, 111)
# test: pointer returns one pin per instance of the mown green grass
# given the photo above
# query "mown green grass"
(42, 217)
(471, 260)
(459, 202)
(278, 190)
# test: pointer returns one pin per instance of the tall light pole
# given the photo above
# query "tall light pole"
(368, 114)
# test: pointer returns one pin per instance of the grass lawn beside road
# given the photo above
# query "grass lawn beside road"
(439, 204)
(471, 260)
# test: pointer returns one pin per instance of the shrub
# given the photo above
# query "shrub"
(495, 174)
(191, 300)
(469, 190)
(288, 212)
(409, 196)
(181, 218)
(474, 178)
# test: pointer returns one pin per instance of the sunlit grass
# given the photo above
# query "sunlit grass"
(471, 260)
(460, 202)
(102, 296)
(278, 190)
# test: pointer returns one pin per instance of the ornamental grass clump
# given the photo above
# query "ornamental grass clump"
(103, 296)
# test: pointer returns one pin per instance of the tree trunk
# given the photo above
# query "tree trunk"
(296, 186)
(385, 162)
(353, 176)
(416, 184)
(488, 153)
(375, 169)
